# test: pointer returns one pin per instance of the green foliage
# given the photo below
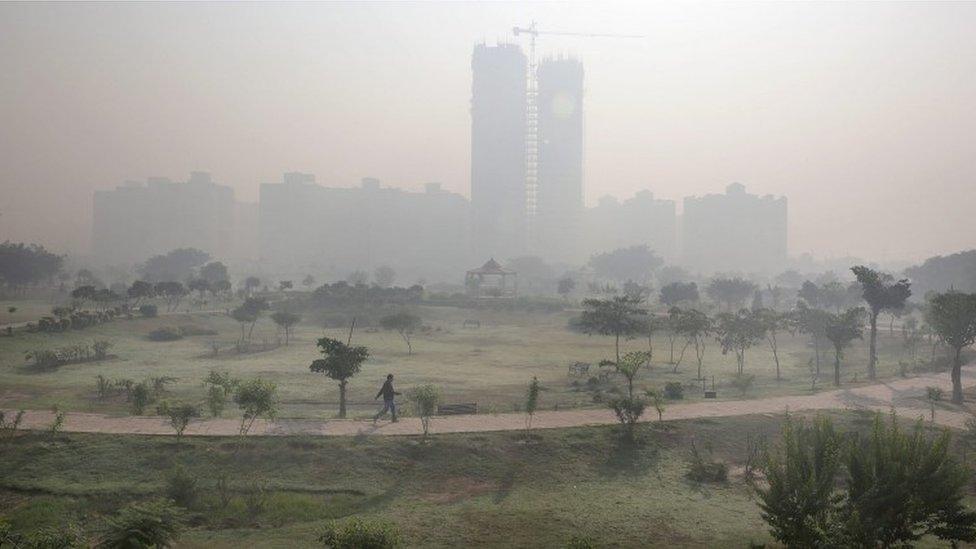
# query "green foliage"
(841, 330)
(156, 523)
(358, 533)
(674, 390)
(628, 410)
(882, 293)
(799, 503)
(743, 382)
(8, 428)
(181, 487)
(739, 331)
(581, 542)
(952, 316)
(732, 292)
(220, 385)
(531, 401)
(341, 362)
(285, 321)
(695, 326)
(148, 310)
(896, 488)
(66, 537)
(425, 398)
(180, 415)
(678, 293)
(142, 396)
(166, 333)
(58, 423)
(702, 469)
(23, 264)
(256, 398)
(617, 316)
(629, 366)
(656, 400)
(404, 324)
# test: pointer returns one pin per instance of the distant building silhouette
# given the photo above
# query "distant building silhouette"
(735, 231)
(641, 220)
(136, 221)
(498, 161)
(305, 226)
(559, 199)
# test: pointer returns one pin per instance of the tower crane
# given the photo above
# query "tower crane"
(532, 115)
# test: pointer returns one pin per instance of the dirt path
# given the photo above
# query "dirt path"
(905, 396)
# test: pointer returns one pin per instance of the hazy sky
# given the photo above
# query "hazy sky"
(862, 114)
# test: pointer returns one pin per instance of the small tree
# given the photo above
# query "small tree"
(285, 321)
(308, 281)
(731, 292)
(342, 361)
(404, 324)
(809, 320)
(679, 293)
(248, 314)
(531, 402)
(696, 327)
(841, 330)
(180, 415)
(285, 285)
(628, 410)
(952, 316)
(933, 395)
(798, 501)
(425, 398)
(882, 293)
(154, 524)
(617, 316)
(219, 386)
(565, 286)
(657, 401)
(256, 398)
(250, 283)
(773, 322)
(629, 366)
(737, 333)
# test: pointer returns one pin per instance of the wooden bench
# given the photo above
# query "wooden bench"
(457, 409)
(579, 369)
(469, 322)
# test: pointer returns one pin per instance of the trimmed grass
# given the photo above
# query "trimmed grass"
(497, 489)
(491, 365)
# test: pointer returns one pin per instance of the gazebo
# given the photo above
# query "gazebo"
(491, 280)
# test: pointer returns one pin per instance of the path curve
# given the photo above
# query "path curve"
(904, 396)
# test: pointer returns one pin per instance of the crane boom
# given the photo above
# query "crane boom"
(532, 116)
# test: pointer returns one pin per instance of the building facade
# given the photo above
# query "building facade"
(136, 221)
(735, 231)
(640, 220)
(558, 220)
(498, 155)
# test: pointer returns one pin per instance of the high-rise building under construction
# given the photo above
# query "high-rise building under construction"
(558, 215)
(498, 162)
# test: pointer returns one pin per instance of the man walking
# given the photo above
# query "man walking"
(388, 394)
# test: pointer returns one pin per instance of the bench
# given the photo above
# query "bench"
(457, 409)
(579, 369)
(469, 322)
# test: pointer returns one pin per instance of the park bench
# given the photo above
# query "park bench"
(457, 409)
(472, 323)
(579, 369)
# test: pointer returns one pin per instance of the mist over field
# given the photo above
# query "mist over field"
(484, 274)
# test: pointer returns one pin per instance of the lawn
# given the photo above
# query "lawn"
(497, 489)
(490, 365)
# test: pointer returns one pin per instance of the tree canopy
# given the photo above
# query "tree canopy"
(177, 265)
(731, 292)
(635, 263)
(342, 361)
(952, 316)
(27, 264)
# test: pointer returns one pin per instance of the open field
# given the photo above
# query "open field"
(490, 365)
(494, 489)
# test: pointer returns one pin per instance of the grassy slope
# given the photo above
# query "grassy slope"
(459, 490)
(491, 365)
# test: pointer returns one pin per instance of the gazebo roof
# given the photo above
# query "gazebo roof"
(491, 267)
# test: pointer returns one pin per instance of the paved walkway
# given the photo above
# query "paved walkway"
(905, 396)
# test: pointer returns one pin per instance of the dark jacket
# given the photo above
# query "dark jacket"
(387, 391)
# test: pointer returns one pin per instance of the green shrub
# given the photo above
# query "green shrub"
(581, 542)
(181, 487)
(166, 333)
(142, 397)
(743, 382)
(706, 470)
(156, 523)
(674, 390)
(100, 348)
(357, 533)
(149, 310)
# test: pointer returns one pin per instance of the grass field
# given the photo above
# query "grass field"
(491, 365)
(498, 489)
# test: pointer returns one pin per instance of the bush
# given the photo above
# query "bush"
(153, 524)
(674, 390)
(743, 382)
(142, 396)
(181, 487)
(581, 542)
(166, 333)
(149, 310)
(100, 349)
(356, 533)
(702, 470)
